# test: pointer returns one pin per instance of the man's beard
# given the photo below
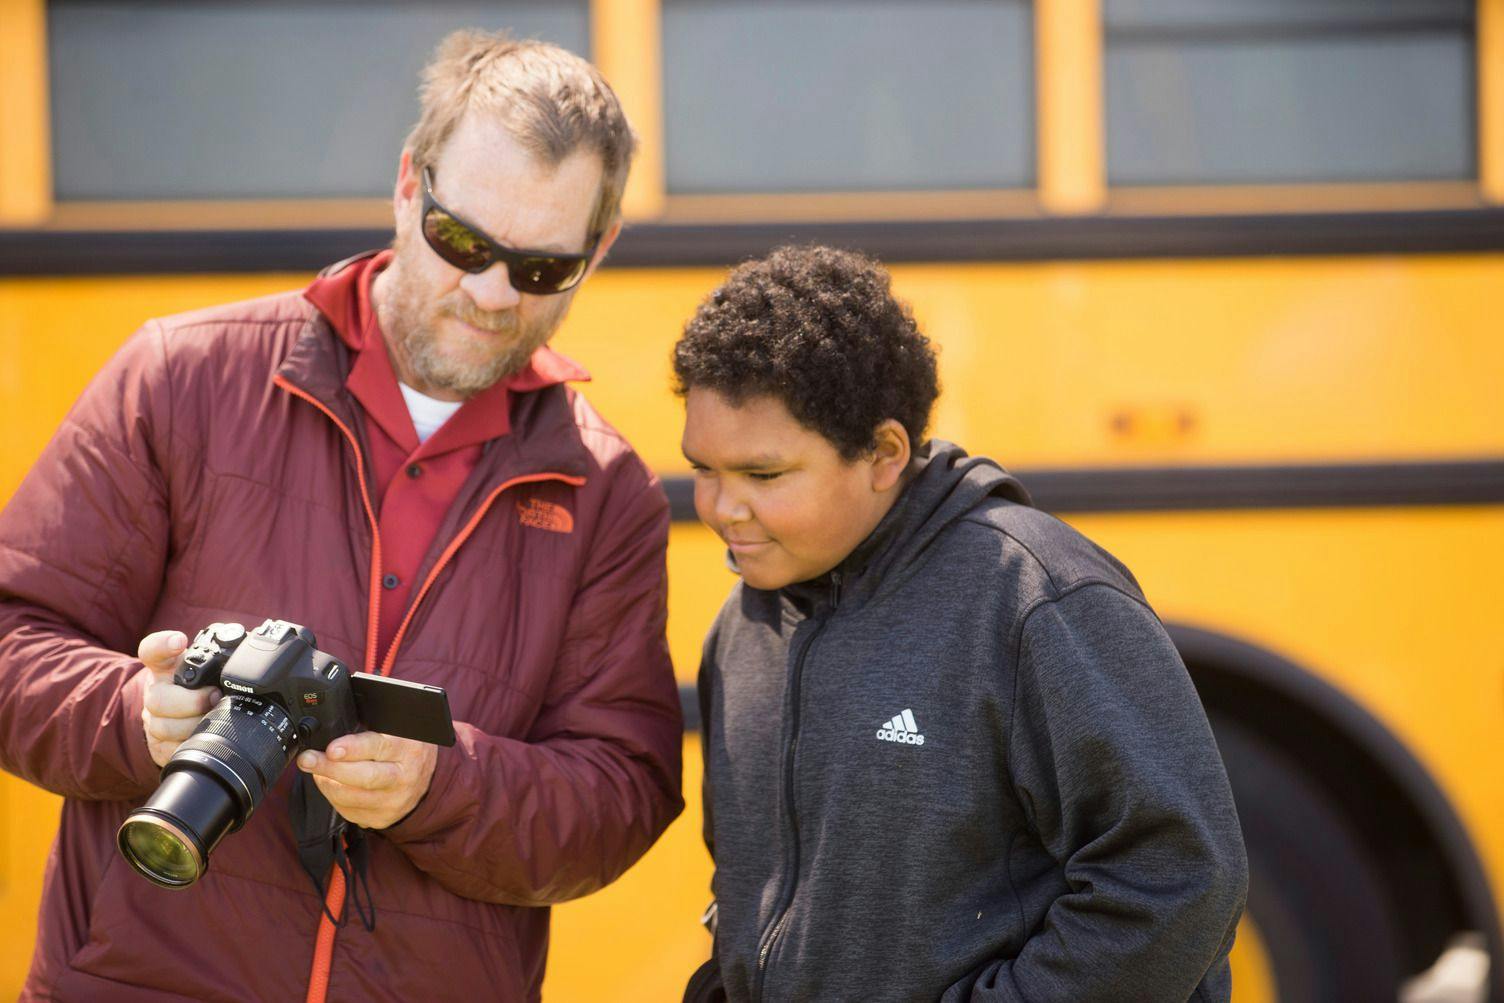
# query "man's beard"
(410, 323)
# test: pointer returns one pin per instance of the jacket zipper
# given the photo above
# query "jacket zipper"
(334, 898)
(786, 900)
(334, 895)
(373, 603)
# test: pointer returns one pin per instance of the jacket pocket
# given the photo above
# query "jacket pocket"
(79, 987)
(209, 942)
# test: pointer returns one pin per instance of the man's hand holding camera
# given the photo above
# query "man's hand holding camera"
(371, 779)
(225, 715)
(170, 712)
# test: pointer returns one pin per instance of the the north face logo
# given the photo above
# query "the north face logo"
(539, 514)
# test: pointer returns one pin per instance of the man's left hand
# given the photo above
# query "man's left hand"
(372, 779)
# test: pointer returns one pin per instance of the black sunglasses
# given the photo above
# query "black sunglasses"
(468, 248)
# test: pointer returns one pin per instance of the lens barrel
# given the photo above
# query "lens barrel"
(209, 788)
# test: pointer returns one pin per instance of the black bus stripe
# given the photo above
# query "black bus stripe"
(1159, 489)
(661, 245)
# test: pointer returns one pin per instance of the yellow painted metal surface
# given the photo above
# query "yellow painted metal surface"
(1398, 608)
(1072, 130)
(1295, 360)
(1317, 196)
(25, 156)
(640, 938)
(860, 206)
(26, 830)
(627, 45)
(56, 333)
(1491, 98)
(1059, 364)
(1070, 363)
(1252, 974)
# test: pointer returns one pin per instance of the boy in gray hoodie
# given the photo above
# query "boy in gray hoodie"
(950, 752)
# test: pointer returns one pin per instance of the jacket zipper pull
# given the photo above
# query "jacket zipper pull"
(835, 589)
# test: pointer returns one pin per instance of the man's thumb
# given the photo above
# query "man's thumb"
(159, 651)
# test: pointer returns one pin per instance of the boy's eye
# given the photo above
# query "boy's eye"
(765, 476)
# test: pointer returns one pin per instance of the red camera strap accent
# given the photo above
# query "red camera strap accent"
(323, 945)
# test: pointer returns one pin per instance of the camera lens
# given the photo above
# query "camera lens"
(209, 788)
(161, 851)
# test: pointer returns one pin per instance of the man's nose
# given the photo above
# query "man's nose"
(491, 290)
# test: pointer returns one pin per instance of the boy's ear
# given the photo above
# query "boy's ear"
(890, 457)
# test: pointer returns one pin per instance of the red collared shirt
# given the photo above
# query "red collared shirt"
(415, 482)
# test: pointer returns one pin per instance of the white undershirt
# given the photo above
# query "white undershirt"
(427, 413)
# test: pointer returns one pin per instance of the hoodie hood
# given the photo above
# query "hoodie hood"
(945, 485)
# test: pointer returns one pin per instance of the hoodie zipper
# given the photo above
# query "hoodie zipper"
(786, 900)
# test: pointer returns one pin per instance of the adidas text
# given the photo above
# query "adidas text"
(901, 729)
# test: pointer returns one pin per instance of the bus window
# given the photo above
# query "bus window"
(834, 95)
(1289, 91)
(223, 100)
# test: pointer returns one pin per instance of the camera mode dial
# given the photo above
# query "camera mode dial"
(227, 634)
(200, 665)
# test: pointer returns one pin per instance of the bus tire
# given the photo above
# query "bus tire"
(1320, 903)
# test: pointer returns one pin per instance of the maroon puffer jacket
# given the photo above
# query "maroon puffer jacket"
(212, 472)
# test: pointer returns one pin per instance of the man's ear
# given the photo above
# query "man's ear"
(890, 457)
(607, 239)
(408, 188)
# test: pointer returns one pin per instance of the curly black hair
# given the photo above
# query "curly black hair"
(819, 329)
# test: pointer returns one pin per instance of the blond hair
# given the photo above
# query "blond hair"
(547, 98)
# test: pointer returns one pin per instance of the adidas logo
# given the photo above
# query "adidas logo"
(901, 729)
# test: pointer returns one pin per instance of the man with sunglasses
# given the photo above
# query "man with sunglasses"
(392, 458)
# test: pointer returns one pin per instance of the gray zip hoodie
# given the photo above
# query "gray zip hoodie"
(967, 764)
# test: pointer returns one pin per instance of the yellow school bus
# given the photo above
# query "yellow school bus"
(1221, 283)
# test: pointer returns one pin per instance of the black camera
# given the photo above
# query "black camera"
(281, 695)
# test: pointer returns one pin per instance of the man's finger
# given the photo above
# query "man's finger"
(344, 797)
(159, 651)
(365, 745)
(164, 699)
(364, 774)
(170, 729)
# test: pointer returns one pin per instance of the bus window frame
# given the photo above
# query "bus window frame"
(626, 42)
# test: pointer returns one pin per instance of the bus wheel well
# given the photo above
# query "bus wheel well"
(1387, 799)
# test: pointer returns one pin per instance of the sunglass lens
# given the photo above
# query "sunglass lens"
(455, 242)
(538, 274)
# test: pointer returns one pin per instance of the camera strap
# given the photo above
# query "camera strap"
(352, 856)
(325, 840)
